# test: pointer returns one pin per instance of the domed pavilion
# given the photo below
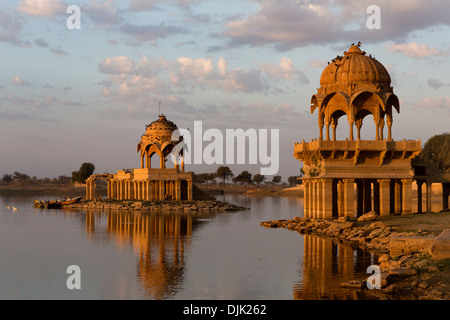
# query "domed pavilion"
(353, 176)
(147, 183)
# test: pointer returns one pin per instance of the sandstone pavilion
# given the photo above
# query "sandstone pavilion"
(147, 183)
(354, 176)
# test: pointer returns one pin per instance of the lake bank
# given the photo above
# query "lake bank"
(409, 275)
(157, 206)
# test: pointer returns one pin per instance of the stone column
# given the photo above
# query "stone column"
(320, 199)
(406, 196)
(428, 196)
(306, 199)
(327, 196)
(341, 198)
(190, 194)
(162, 190)
(349, 198)
(149, 190)
(385, 201)
(88, 190)
(313, 198)
(177, 190)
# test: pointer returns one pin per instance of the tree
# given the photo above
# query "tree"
(244, 177)
(258, 178)
(7, 178)
(86, 170)
(276, 179)
(292, 180)
(437, 151)
(224, 173)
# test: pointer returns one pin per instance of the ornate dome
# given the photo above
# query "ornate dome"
(354, 71)
(159, 130)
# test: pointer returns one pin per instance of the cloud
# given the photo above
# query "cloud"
(103, 13)
(435, 83)
(284, 70)
(117, 65)
(441, 102)
(42, 8)
(150, 33)
(58, 52)
(41, 43)
(20, 82)
(222, 66)
(286, 24)
(417, 51)
(10, 29)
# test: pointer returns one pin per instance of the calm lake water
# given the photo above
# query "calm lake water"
(137, 255)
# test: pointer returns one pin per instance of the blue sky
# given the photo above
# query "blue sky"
(73, 96)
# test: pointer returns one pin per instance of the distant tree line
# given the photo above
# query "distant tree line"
(224, 174)
(85, 171)
(22, 178)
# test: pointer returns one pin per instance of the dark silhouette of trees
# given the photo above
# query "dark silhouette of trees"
(437, 151)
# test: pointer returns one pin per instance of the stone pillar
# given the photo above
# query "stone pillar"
(162, 190)
(182, 163)
(149, 161)
(406, 196)
(142, 160)
(190, 194)
(177, 190)
(349, 198)
(327, 124)
(327, 196)
(341, 198)
(306, 203)
(88, 190)
(428, 196)
(320, 199)
(120, 193)
(419, 195)
(149, 190)
(314, 208)
(385, 201)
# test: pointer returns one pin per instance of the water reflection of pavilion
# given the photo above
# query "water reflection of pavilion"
(326, 264)
(159, 241)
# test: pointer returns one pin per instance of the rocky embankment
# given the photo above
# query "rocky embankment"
(413, 275)
(183, 206)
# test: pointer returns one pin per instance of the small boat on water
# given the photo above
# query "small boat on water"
(50, 204)
(71, 200)
(55, 204)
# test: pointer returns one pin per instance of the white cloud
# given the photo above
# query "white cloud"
(20, 82)
(284, 70)
(286, 24)
(415, 50)
(441, 102)
(117, 65)
(10, 29)
(222, 66)
(189, 69)
(42, 8)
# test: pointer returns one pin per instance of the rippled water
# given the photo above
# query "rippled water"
(137, 255)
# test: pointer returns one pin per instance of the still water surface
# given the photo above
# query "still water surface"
(137, 255)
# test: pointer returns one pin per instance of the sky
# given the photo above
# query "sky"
(69, 96)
